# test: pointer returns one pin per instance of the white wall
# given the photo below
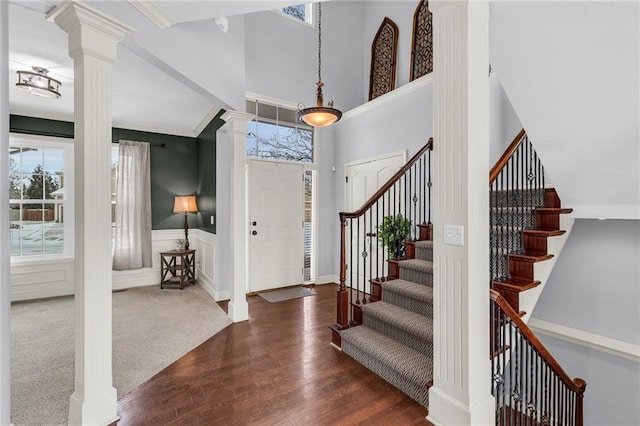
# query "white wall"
(504, 123)
(32, 279)
(571, 72)
(282, 56)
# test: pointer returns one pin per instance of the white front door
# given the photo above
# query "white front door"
(363, 253)
(276, 233)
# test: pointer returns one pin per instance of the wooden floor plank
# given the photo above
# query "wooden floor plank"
(275, 369)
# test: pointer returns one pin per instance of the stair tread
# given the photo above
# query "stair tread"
(391, 353)
(403, 319)
(423, 244)
(553, 210)
(417, 264)
(530, 257)
(544, 232)
(409, 288)
(516, 284)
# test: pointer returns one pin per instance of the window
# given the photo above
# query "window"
(276, 134)
(384, 51)
(422, 42)
(41, 194)
(302, 12)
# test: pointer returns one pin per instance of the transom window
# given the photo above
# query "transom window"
(40, 196)
(276, 134)
(302, 12)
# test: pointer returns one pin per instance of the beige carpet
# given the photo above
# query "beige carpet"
(151, 329)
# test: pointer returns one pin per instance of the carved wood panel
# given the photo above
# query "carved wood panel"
(422, 41)
(384, 51)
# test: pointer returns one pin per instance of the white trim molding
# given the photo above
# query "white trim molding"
(206, 120)
(152, 12)
(389, 97)
(605, 344)
(327, 279)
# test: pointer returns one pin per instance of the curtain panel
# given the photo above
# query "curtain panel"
(132, 243)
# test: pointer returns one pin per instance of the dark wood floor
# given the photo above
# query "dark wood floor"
(275, 369)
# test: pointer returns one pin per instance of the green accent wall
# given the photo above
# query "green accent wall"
(206, 190)
(174, 168)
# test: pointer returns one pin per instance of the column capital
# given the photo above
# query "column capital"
(90, 31)
(232, 115)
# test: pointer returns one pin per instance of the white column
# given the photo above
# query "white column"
(461, 377)
(5, 294)
(93, 39)
(236, 131)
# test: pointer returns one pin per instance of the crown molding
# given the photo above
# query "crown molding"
(153, 13)
(206, 120)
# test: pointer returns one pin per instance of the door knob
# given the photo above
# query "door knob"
(254, 233)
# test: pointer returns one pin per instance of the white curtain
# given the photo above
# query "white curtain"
(132, 245)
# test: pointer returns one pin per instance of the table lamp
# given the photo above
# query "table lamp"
(185, 204)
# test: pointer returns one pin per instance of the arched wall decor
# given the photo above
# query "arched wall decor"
(421, 41)
(384, 51)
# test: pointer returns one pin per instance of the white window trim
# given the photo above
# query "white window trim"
(66, 144)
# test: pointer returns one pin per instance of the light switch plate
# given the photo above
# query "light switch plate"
(454, 235)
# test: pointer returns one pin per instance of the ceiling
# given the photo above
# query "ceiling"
(144, 97)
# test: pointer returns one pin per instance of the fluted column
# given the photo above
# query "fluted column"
(461, 377)
(236, 135)
(5, 295)
(93, 39)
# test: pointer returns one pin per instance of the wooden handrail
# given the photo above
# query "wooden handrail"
(576, 385)
(371, 201)
(502, 162)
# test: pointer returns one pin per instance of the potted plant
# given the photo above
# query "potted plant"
(392, 232)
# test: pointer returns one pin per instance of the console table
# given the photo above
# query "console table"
(177, 267)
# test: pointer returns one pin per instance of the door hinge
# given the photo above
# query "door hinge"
(346, 179)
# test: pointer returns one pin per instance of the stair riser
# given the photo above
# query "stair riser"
(517, 197)
(522, 219)
(414, 305)
(520, 269)
(416, 391)
(420, 277)
(417, 343)
(535, 244)
(548, 220)
(424, 253)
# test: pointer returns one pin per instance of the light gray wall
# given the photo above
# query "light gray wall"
(613, 383)
(595, 285)
(400, 12)
(282, 56)
(404, 123)
(504, 123)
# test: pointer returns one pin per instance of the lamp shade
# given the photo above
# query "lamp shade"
(185, 204)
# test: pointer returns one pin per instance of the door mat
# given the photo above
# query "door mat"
(286, 294)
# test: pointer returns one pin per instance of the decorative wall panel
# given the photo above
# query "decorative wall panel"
(421, 42)
(384, 51)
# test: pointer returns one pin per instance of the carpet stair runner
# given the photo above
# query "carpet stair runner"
(395, 339)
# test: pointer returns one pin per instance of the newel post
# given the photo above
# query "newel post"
(580, 401)
(342, 298)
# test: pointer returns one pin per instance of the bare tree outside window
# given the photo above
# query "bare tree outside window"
(297, 11)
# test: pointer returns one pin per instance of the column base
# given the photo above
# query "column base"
(446, 410)
(99, 410)
(239, 311)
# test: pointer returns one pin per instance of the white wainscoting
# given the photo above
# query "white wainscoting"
(36, 278)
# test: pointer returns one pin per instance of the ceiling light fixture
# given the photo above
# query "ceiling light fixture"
(38, 83)
(319, 115)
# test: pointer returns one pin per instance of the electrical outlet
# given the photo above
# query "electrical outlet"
(454, 235)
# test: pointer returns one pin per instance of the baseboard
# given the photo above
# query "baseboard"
(584, 338)
(445, 410)
(327, 279)
(216, 295)
(138, 278)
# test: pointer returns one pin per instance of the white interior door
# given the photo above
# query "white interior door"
(364, 178)
(276, 233)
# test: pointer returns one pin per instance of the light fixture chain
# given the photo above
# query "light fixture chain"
(319, 40)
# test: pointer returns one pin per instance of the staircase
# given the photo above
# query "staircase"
(395, 340)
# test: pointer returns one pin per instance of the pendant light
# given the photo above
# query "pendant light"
(37, 82)
(319, 115)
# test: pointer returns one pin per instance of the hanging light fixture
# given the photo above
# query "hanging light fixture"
(319, 115)
(38, 83)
